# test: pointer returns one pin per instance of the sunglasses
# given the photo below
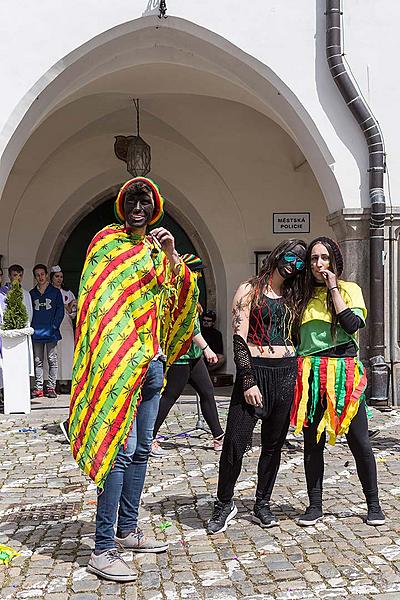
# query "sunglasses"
(290, 257)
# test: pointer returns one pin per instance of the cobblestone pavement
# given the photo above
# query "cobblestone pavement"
(47, 514)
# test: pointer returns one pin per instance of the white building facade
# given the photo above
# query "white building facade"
(238, 106)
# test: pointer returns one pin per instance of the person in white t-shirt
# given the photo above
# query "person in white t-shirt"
(16, 273)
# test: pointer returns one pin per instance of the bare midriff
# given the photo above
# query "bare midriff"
(271, 352)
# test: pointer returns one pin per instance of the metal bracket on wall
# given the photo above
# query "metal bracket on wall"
(163, 10)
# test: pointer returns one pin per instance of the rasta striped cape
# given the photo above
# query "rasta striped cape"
(130, 303)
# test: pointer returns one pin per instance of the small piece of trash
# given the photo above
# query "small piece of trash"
(164, 525)
(7, 554)
(346, 464)
(91, 502)
(27, 430)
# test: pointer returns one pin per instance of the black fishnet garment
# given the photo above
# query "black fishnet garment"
(275, 379)
(244, 363)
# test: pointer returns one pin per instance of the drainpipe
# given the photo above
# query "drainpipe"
(379, 372)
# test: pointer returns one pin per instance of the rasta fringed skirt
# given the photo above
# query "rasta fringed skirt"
(338, 383)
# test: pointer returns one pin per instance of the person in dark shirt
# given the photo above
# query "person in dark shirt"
(213, 338)
(264, 326)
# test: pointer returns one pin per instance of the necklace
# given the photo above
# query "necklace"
(270, 293)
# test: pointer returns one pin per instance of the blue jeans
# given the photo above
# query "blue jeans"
(124, 484)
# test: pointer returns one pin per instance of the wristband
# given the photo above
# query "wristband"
(205, 348)
(335, 287)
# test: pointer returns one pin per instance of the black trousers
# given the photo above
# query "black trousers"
(195, 372)
(360, 447)
(276, 380)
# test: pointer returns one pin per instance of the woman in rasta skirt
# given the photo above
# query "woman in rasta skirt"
(331, 382)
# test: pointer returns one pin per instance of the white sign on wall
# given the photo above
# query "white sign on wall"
(291, 222)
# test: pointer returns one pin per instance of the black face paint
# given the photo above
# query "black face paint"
(138, 209)
(289, 268)
(285, 269)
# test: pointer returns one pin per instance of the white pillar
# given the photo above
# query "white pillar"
(17, 397)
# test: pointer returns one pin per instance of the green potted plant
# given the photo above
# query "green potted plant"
(15, 333)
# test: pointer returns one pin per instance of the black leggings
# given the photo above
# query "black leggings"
(275, 379)
(195, 372)
(360, 446)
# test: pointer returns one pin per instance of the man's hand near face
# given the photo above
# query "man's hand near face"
(167, 243)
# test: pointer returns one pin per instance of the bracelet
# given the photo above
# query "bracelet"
(205, 348)
(335, 287)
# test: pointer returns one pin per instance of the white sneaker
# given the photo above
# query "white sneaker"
(157, 451)
(64, 426)
(111, 566)
(138, 542)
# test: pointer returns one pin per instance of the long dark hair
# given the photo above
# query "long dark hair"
(291, 288)
(309, 282)
(63, 287)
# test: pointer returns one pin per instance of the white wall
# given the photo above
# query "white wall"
(287, 36)
(238, 106)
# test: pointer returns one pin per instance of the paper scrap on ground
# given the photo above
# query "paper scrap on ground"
(7, 554)
(164, 525)
(27, 430)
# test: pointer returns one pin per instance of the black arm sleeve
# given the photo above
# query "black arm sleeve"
(243, 362)
(349, 321)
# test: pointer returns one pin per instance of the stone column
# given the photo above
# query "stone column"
(351, 229)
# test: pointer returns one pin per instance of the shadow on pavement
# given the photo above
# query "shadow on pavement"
(191, 511)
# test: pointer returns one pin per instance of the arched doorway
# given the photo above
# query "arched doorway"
(231, 144)
(73, 254)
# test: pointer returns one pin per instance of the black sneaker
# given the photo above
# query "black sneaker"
(263, 516)
(64, 426)
(375, 515)
(223, 512)
(312, 515)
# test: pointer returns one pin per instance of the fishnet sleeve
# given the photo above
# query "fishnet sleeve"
(243, 362)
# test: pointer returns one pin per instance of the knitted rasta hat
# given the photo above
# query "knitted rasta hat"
(334, 248)
(158, 200)
(193, 262)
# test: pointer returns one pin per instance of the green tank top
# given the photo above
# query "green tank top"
(194, 351)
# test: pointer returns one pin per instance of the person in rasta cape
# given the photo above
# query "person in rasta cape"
(136, 310)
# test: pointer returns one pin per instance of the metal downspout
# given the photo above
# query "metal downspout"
(379, 372)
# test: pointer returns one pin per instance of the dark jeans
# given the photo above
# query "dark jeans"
(275, 379)
(124, 484)
(195, 372)
(360, 447)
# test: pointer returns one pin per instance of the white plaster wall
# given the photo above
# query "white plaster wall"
(287, 36)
